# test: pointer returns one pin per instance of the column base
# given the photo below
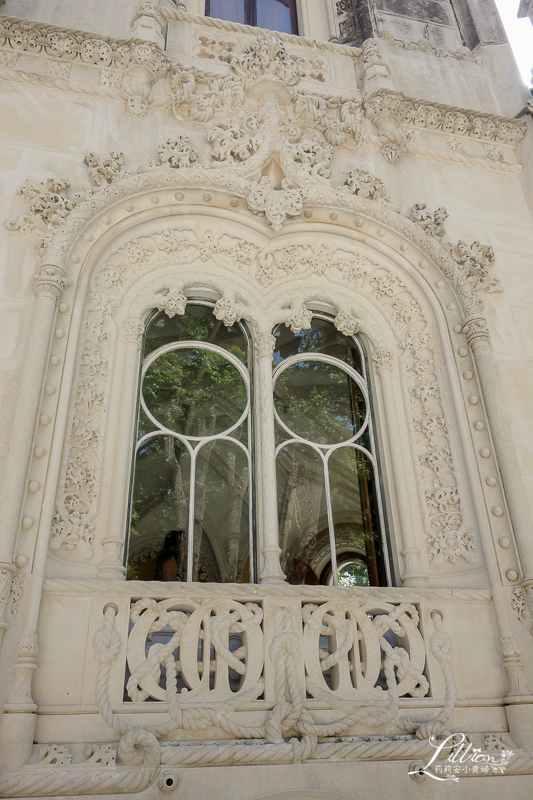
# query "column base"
(520, 719)
(17, 732)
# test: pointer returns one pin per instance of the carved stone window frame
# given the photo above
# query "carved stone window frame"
(385, 355)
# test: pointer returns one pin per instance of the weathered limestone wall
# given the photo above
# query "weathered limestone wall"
(191, 133)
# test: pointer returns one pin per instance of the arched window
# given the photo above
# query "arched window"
(190, 508)
(192, 515)
(276, 15)
(330, 516)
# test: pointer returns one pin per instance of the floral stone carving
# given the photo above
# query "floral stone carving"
(230, 144)
(48, 202)
(276, 204)
(104, 170)
(267, 56)
(432, 222)
(364, 184)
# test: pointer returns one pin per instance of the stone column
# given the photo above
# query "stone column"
(332, 14)
(271, 573)
(51, 280)
(413, 575)
(111, 566)
(478, 338)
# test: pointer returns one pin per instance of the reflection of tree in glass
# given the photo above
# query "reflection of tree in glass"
(192, 327)
(160, 494)
(316, 401)
(354, 574)
(182, 388)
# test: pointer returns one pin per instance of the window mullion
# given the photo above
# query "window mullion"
(265, 452)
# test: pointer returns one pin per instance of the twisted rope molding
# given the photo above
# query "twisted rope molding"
(251, 591)
(66, 85)
(225, 25)
(463, 158)
(136, 747)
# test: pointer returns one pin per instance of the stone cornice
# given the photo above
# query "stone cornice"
(88, 49)
(443, 118)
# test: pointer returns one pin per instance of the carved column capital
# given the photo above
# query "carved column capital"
(133, 330)
(50, 281)
(264, 345)
(476, 331)
(383, 359)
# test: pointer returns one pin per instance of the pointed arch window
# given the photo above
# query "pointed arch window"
(276, 15)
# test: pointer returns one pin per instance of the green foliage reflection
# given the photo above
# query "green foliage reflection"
(195, 392)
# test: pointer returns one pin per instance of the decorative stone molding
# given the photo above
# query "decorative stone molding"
(264, 345)
(514, 667)
(133, 330)
(17, 588)
(364, 184)
(518, 603)
(225, 48)
(48, 203)
(372, 57)
(173, 303)
(299, 318)
(346, 323)
(440, 117)
(77, 46)
(104, 170)
(476, 331)
(229, 144)
(383, 359)
(50, 280)
(275, 204)
(73, 524)
(432, 222)
(227, 310)
(424, 46)
(267, 56)
(225, 25)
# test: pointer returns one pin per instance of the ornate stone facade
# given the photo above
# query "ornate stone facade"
(176, 159)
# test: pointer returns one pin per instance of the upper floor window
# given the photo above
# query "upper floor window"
(276, 15)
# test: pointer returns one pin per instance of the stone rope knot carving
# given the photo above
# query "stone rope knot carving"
(289, 718)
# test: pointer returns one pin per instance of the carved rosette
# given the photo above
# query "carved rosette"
(133, 330)
(50, 281)
(383, 359)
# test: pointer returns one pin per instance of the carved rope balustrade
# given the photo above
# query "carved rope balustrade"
(321, 674)
(354, 659)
